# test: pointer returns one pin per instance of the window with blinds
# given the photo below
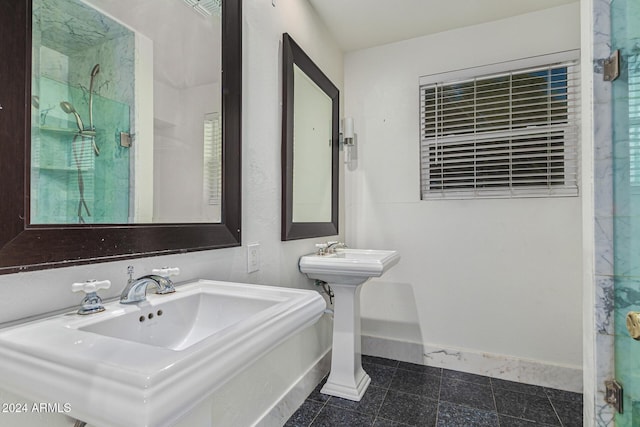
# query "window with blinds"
(212, 159)
(501, 134)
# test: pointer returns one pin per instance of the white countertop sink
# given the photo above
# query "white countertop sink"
(348, 266)
(149, 364)
(179, 323)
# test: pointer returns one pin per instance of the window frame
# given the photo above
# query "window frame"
(571, 139)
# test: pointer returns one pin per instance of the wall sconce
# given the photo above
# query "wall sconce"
(348, 138)
(348, 131)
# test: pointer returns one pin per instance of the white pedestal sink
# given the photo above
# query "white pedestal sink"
(149, 364)
(346, 271)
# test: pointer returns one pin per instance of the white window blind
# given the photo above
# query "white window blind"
(501, 134)
(212, 159)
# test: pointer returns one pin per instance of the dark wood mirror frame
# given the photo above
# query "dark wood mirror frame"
(24, 246)
(293, 54)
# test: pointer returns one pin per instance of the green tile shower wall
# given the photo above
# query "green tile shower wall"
(54, 171)
(62, 64)
(625, 24)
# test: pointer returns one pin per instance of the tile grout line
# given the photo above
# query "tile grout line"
(375, 417)
(386, 391)
(316, 416)
(495, 403)
(555, 411)
(323, 405)
(529, 394)
(438, 401)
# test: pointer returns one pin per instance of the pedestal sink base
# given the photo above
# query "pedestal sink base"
(355, 392)
(347, 378)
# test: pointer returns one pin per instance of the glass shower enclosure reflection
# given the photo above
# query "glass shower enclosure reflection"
(83, 90)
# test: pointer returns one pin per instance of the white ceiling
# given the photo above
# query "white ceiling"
(359, 24)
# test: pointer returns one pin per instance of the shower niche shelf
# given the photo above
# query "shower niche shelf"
(63, 168)
(66, 131)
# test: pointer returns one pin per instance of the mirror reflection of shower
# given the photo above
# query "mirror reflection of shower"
(123, 74)
(94, 72)
(68, 108)
(84, 134)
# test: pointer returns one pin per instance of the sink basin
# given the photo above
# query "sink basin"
(149, 364)
(348, 266)
(179, 323)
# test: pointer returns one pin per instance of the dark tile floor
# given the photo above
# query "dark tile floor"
(404, 394)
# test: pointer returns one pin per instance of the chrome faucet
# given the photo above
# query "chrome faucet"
(332, 246)
(136, 290)
(329, 247)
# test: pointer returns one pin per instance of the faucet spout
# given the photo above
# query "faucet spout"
(332, 246)
(329, 247)
(136, 290)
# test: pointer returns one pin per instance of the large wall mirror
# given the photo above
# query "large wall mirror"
(309, 147)
(119, 132)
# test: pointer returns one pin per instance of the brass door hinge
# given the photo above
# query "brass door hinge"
(613, 394)
(612, 67)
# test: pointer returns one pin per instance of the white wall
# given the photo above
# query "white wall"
(480, 279)
(33, 293)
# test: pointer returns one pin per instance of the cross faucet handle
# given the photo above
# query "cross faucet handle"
(321, 248)
(91, 286)
(91, 303)
(166, 271)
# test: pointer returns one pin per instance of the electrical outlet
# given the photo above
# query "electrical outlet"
(253, 257)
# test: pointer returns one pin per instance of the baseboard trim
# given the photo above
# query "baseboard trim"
(403, 351)
(494, 365)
